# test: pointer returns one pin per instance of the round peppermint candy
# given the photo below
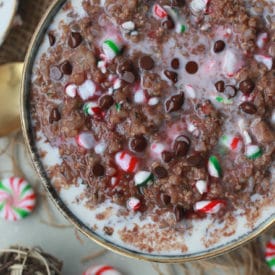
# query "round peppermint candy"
(101, 270)
(17, 199)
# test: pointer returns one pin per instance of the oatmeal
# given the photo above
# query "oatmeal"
(163, 108)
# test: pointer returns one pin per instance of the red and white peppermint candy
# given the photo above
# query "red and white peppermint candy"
(133, 204)
(198, 6)
(17, 199)
(265, 59)
(86, 140)
(101, 270)
(126, 162)
(270, 254)
(159, 12)
(231, 63)
(209, 207)
(87, 89)
(201, 186)
(71, 90)
(140, 97)
(262, 40)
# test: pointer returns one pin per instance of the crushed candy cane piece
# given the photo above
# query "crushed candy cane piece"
(100, 148)
(214, 167)
(159, 12)
(270, 254)
(71, 90)
(101, 270)
(85, 140)
(128, 26)
(253, 151)
(209, 207)
(198, 6)
(133, 204)
(231, 142)
(87, 89)
(111, 48)
(265, 59)
(201, 186)
(262, 40)
(143, 178)
(153, 101)
(190, 92)
(92, 109)
(126, 162)
(140, 97)
(231, 63)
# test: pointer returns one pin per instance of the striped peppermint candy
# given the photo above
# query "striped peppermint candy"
(87, 89)
(17, 199)
(133, 204)
(86, 140)
(270, 254)
(126, 162)
(101, 270)
(209, 207)
(214, 167)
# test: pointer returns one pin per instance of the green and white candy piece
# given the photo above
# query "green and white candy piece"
(111, 48)
(143, 178)
(253, 151)
(214, 167)
(179, 22)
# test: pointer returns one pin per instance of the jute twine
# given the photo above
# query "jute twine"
(249, 258)
(20, 261)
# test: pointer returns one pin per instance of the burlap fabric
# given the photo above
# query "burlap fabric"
(249, 258)
(16, 44)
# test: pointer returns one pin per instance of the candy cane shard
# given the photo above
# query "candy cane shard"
(209, 207)
(265, 59)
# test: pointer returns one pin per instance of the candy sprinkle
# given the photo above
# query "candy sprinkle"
(214, 167)
(143, 178)
(270, 254)
(111, 49)
(209, 207)
(133, 204)
(253, 151)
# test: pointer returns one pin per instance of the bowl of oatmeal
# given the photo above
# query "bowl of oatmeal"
(151, 123)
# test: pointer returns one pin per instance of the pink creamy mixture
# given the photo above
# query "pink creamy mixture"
(161, 103)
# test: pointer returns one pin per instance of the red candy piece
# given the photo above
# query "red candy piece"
(159, 11)
(209, 207)
(126, 162)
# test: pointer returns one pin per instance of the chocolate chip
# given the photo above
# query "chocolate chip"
(167, 156)
(179, 212)
(128, 77)
(168, 23)
(75, 39)
(146, 63)
(51, 38)
(175, 63)
(174, 103)
(98, 170)
(181, 146)
(66, 67)
(219, 46)
(160, 172)
(173, 76)
(105, 102)
(108, 230)
(248, 107)
(247, 86)
(138, 143)
(191, 67)
(230, 91)
(125, 66)
(220, 86)
(55, 73)
(165, 199)
(54, 115)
